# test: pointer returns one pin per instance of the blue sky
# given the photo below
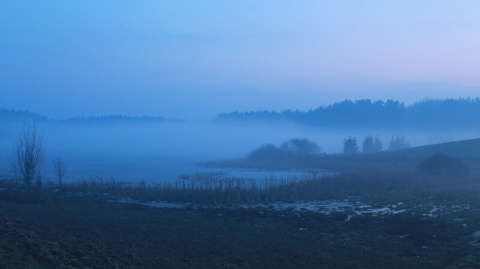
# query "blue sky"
(193, 59)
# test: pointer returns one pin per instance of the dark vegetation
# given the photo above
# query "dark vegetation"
(447, 114)
(292, 149)
(441, 164)
(305, 154)
(371, 145)
(350, 146)
(302, 153)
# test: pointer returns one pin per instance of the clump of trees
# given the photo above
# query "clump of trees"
(350, 146)
(293, 148)
(398, 142)
(442, 164)
(372, 145)
(300, 147)
(268, 152)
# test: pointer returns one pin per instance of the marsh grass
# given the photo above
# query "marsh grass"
(377, 184)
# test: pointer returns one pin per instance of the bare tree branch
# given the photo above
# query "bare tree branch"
(60, 170)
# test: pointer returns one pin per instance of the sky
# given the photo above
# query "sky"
(194, 59)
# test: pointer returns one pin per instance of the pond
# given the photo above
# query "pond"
(157, 170)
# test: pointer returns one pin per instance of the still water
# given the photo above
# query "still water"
(154, 169)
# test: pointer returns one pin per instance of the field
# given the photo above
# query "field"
(377, 212)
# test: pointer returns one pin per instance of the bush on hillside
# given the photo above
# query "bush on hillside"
(441, 164)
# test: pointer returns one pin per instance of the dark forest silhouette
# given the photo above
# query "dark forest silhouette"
(25, 116)
(462, 113)
(446, 114)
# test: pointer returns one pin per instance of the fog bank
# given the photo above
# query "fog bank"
(144, 150)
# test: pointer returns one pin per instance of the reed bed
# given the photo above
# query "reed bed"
(215, 190)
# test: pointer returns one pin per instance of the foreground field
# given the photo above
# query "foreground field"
(414, 222)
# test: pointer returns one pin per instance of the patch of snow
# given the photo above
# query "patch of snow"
(323, 207)
(128, 200)
(384, 210)
(476, 234)
(326, 207)
(432, 210)
(351, 207)
(349, 218)
(476, 238)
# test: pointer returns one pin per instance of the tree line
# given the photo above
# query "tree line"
(300, 147)
(461, 113)
(7, 115)
(373, 144)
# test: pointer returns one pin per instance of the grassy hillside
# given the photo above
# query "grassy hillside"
(465, 150)
(468, 150)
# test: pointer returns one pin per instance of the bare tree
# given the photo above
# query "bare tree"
(29, 155)
(60, 170)
(15, 169)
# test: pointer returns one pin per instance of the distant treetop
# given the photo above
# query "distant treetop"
(23, 116)
(14, 115)
(113, 119)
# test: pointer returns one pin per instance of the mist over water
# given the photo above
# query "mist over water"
(162, 151)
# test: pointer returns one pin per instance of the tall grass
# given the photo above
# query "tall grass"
(367, 182)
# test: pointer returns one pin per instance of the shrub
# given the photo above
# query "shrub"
(441, 164)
